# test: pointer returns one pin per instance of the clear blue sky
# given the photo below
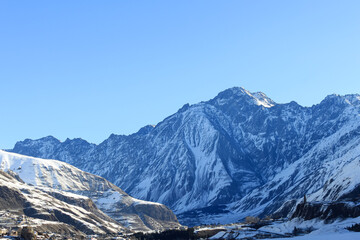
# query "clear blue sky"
(91, 68)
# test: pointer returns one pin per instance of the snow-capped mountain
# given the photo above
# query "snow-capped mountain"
(239, 150)
(63, 181)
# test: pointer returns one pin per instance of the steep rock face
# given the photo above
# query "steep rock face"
(11, 198)
(67, 183)
(326, 172)
(327, 211)
(339, 197)
(240, 148)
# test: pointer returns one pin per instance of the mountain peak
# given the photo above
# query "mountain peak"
(351, 99)
(235, 93)
(145, 130)
(44, 139)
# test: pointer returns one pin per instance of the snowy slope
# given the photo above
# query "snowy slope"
(23, 199)
(239, 151)
(330, 169)
(52, 175)
(321, 230)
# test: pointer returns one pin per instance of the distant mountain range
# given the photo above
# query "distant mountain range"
(237, 154)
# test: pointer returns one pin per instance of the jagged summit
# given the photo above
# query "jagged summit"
(47, 138)
(145, 130)
(241, 95)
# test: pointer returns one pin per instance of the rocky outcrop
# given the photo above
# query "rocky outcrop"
(11, 199)
(327, 211)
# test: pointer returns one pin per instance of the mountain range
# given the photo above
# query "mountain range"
(237, 154)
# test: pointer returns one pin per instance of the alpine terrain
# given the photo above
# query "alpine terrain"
(235, 155)
(56, 191)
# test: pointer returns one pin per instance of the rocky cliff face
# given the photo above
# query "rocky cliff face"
(240, 151)
(327, 211)
(69, 184)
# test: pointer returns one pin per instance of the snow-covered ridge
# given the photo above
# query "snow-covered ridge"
(23, 199)
(49, 175)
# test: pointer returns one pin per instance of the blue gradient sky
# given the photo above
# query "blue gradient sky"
(91, 68)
